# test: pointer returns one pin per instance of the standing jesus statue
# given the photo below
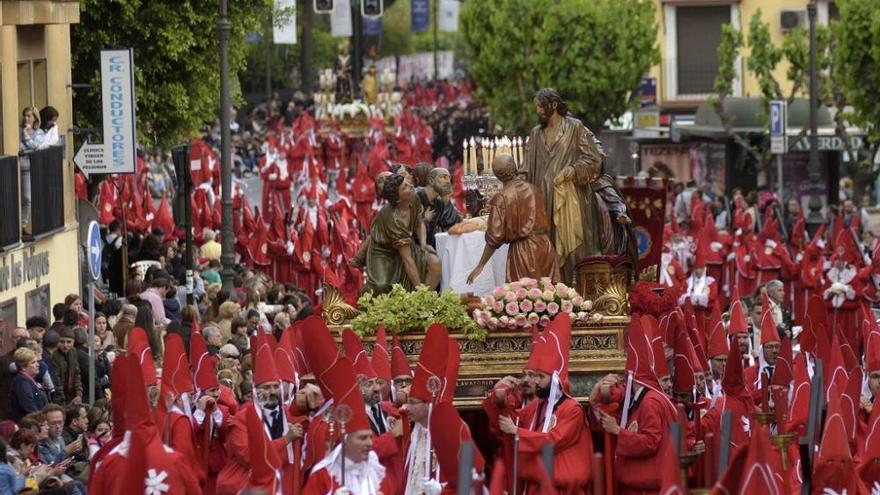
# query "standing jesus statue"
(588, 216)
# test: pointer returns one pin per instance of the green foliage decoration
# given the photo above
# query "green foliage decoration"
(403, 311)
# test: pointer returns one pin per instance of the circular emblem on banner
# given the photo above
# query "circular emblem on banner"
(644, 241)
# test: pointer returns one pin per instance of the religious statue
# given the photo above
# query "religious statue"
(518, 216)
(370, 86)
(343, 74)
(392, 255)
(565, 161)
(440, 212)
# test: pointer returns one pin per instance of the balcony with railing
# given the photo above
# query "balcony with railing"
(31, 195)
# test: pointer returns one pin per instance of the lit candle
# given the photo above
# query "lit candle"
(473, 159)
(464, 157)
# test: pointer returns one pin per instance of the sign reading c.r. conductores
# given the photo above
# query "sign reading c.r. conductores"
(117, 98)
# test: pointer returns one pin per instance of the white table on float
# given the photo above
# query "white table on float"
(459, 255)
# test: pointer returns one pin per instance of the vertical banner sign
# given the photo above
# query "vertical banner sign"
(447, 22)
(372, 26)
(284, 29)
(647, 205)
(420, 15)
(340, 19)
(117, 95)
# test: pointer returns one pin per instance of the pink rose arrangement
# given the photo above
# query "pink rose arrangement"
(529, 303)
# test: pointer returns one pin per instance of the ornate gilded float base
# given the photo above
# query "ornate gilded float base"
(596, 349)
(605, 281)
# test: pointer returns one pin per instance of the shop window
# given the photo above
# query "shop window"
(47, 190)
(37, 303)
(10, 230)
(8, 323)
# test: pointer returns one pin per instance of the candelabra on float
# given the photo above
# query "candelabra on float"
(478, 176)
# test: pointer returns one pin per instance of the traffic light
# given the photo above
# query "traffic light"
(372, 8)
(324, 6)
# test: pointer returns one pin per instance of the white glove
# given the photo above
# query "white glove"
(838, 287)
(738, 232)
(731, 256)
(150, 217)
(747, 258)
(325, 252)
(273, 176)
(433, 487)
(821, 243)
(289, 248)
(716, 246)
(799, 257)
(770, 243)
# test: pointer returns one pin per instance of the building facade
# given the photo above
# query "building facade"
(41, 266)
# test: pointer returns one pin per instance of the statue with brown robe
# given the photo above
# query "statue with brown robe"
(588, 216)
(517, 216)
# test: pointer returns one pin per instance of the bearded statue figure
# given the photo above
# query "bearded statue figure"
(588, 215)
(440, 213)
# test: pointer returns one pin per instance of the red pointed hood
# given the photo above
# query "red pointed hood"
(759, 475)
(354, 351)
(783, 373)
(870, 468)
(550, 353)
(176, 375)
(799, 410)
(769, 333)
(718, 343)
(732, 383)
(850, 404)
(834, 466)
(872, 349)
(738, 322)
(845, 248)
(683, 380)
(202, 363)
(431, 369)
(284, 361)
(263, 456)
(701, 254)
(118, 388)
(835, 368)
(649, 324)
(264, 360)
(289, 344)
(399, 363)
(138, 346)
(138, 415)
(334, 373)
(453, 359)
(816, 317)
(164, 220)
(381, 360)
(640, 355)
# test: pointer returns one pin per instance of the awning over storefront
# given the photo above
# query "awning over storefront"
(745, 115)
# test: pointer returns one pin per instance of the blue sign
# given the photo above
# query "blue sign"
(420, 11)
(94, 248)
(648, 91)
(372, 26)
(777, 118)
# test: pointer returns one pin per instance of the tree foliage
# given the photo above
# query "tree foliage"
(581, 48)
(857, 68)
(176, 55)
(764, 57)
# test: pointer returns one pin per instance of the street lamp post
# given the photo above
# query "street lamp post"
(814, 217)
(227, 257)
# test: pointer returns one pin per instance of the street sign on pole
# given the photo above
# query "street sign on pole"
(94, 250)
(778, 118)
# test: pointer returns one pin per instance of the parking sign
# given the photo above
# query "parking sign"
(777, 126)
